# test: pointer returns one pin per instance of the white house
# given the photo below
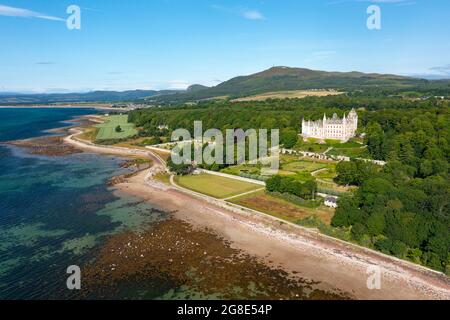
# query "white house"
(331, 202)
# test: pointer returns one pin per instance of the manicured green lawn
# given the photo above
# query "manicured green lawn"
(351, 152)
(243, 168)
(301, 165)
(312, 145)
(215, 186)
(107, 130)
(326, 175)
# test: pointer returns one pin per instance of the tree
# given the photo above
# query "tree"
(375, 140)
(354, 172)
(118, 128)
(346, 172)
(358, 231)
(179, 169)
(289, 138)
(273, 184)
(376, 223)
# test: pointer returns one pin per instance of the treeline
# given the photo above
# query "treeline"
(285, 184)
(269, 114)
(404, 208)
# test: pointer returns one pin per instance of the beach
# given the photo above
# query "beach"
(334, 266)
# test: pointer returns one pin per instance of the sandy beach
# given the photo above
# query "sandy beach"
(303, 253)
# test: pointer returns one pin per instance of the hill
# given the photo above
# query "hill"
(94, 96)
(277, 80)
(287, 79)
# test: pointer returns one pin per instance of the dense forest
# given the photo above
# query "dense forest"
(404, 208)
(401, 209)
(269, 114)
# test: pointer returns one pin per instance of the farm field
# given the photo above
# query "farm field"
(215, 186)
(289, 94)
(107, 130)
(281, 208)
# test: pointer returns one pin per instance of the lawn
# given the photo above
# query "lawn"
(281, 208)
(243, 168)
(326, 175)
(215, 186)
(312, 145)
(290, 165)
(350, 152)
(301, 165)
(107, 130)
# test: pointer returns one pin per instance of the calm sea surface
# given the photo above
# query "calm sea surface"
(53, 210)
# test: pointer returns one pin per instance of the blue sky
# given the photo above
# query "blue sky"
(168, 44)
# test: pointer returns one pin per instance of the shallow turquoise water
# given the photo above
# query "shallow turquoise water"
(54, 210)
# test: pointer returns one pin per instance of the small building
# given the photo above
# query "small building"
(331, 202)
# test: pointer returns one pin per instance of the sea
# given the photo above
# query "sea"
(54, 210)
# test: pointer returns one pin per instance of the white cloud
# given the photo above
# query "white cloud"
(253, 15)
(250, 14)
(25, 13)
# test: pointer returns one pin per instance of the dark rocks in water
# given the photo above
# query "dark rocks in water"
(198, 259)
(46, 146)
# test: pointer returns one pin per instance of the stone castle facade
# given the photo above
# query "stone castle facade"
(332, 128)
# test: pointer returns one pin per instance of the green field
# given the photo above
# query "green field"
(243, 168)
(215, 186)
(107, 130)
(312, 145)
(351, 152)
(308, 166)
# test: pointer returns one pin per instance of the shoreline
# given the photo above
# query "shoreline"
(105, 107)
(297, 253)
(303, 253)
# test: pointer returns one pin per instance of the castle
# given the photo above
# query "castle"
(333, 128)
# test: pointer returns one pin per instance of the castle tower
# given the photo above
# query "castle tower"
(331, 128)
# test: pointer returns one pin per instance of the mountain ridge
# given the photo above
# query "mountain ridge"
(283, 78)
(279, 78)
